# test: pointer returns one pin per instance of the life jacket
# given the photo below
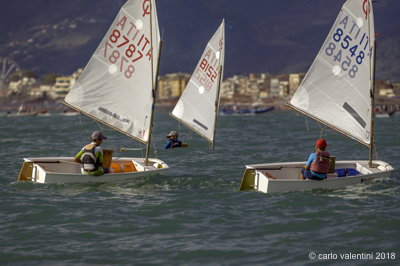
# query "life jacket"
(88, 158)
(176, 143)
(321, 163)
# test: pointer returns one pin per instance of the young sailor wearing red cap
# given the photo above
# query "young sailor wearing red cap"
(318, 163)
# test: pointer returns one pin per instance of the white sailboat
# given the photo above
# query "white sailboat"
(116, 88)
(198, 106)
(338, 91)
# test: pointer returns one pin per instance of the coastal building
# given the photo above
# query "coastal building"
(228, 89)
(240, 84)
(294, 82)
(253, 87)
(384, 88)
(396, 89)
(237, 89)
(42, 91)
(64, 84)
(172, 85)
(259, 85)
(386, 92)
(275, 88)
(283, 88)
(22, 85)
(265, 82)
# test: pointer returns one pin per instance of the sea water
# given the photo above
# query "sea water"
(194, 214)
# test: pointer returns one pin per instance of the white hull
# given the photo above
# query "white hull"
(384, 114)
(284, 177)
(22, 114)
(50, 170)
(70, 114)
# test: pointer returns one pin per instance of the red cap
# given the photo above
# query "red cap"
(321, 143)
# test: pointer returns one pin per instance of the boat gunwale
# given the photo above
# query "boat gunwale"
(57, 160)
(281, 165)
(291, 165)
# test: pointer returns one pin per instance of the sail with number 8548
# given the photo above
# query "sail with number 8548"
(337, 88)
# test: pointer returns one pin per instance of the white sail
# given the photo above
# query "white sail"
(336, 89)
(197, 107)
(115, 87)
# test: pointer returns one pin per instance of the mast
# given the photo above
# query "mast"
(217, 105)
(371, 147)
(153, 85)
(217, 100)
(154, 91)
(372, 86)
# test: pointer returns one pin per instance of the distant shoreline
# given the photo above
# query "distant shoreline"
(168, 104)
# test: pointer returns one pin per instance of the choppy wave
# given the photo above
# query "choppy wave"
(193, 214)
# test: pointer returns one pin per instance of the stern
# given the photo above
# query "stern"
(248, 179)
(25, 174)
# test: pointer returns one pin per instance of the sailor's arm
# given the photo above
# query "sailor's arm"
(310, 160)
(99, 156)
(78, 156)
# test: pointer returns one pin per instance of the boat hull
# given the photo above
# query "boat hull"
(285, 177)
(58, 170)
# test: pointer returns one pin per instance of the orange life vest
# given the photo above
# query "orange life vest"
(321, 163)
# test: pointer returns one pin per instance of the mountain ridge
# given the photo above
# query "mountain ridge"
(262, 35)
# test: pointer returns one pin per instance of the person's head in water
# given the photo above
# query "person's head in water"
(172, 135)
(321, 144)
(97, 137)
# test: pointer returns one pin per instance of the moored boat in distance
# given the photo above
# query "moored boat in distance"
(235, 110)
(21, 114)
(263, 110)
(69, 112)
(43, 112)
(384, 114)
(24, 110)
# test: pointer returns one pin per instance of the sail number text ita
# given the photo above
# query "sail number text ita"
(126, 45)
(348, 37)
(207, 71)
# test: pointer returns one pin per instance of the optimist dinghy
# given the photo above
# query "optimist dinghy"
(117, 88)
(198, 106)
(338, 91)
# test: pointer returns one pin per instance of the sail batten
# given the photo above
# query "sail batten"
(336, 89)
(115, 87)
(196, 108)
(327, 124)
(100, 121)
(190, 127)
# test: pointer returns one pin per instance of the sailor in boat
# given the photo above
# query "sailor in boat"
(91, 156)
(318, 163)
(173, 141)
